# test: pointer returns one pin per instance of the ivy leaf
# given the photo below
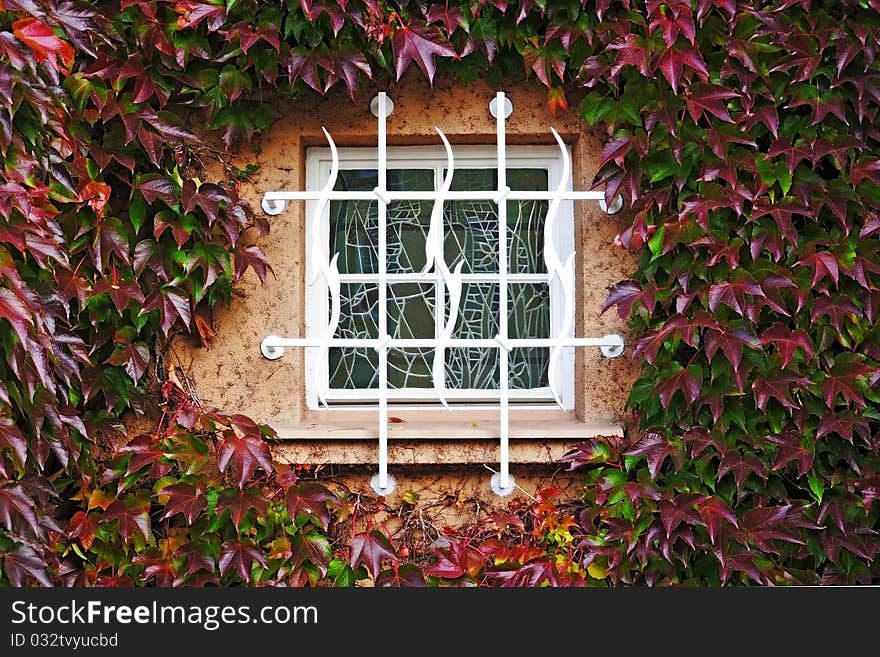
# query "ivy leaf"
(843, 424)
(312, 547)
(684, 379)
(172, 304)
(14, 502)
(626, 294)
(239, 502)
(153, 186)
(682, 509)
(134, 356)
(787, 342)
(837, 309)
(779, 388)
(369, 548)
(310, 499)
(144, 451)
(791, 449)
(654, 445)
(83, 527)
(347, 64)
(240, 556)
(732, 294)
(245, 453)
(23, 562)
(42, 41)
(731, 340)
(763, 524)
(714, 513)
(451, 17)
(740, 465)
(707, 99)
(842, 379)
(13, 310)
(420, 43)
(405, 575)
(132, 516)
(822, 264)
(11, 437)
(184, 498)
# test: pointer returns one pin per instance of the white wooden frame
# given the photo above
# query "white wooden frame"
(318, 166)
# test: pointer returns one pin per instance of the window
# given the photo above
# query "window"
(350, 229)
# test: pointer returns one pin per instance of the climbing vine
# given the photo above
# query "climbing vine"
(742, 136)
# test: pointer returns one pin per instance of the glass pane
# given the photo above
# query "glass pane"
(471, 368)
(354, 228)
(477, 311)
(359, 318)
(410, 368)
(472, 226)
(411, 310)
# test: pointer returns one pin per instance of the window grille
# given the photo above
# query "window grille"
(324, 270)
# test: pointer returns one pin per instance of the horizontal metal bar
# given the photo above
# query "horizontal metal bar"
(433, 196)
(431, 343)
(431, 277)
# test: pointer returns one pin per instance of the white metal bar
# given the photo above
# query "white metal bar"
(503, 265)
(418, 277)
(382, 194)
(273, 342)
(348, 394)
(513, 195)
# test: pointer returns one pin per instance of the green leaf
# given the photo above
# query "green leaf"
(817, 486)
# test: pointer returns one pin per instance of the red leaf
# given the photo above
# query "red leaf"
(791, 449)
(763, 524)
(245, 454)
(369, 548)
(421, 43)
(843, 379)
(11, 437)
(405, 575)
(709, 100)
(171, 304)
(556, 100)
(132, 518)
(312, 547)
(24, 562)
(43, 43)
(153, 186)
(13, 310)
(731, 341)
(823, 264)
(134, 356)
(778, 388)
(239, 502)
(682, 379)
(741, 466)
(143, 452)
(732, 294)
(451, 17)
(185, 499)
(310, 499)
(121, 292)
(627, 293)
(83, 527)
(787, 342)
(714, 512)
(347, 64)
(656, 448)
(843, 425)
(837, 309)
(240, 556)
(683, 509)
(15, 503)
(616, 150)
(869, 488)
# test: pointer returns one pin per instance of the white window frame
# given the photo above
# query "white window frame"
(318, 164)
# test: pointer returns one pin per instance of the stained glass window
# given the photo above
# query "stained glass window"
(471, 237)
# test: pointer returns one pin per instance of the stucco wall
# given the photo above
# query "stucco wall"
(232, 374)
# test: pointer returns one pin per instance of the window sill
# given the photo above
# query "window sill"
(433, 436)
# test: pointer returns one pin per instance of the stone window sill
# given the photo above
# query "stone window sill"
(433, 436)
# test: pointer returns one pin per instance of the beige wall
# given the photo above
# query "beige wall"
(232, 374)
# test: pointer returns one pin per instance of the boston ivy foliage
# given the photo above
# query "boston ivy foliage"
(743, 138)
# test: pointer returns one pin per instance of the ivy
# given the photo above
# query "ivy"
(742, 136)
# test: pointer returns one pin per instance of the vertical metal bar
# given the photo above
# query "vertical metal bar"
(383, 295)
(503, 419)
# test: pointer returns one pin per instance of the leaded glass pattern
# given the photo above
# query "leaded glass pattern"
(471, 235)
